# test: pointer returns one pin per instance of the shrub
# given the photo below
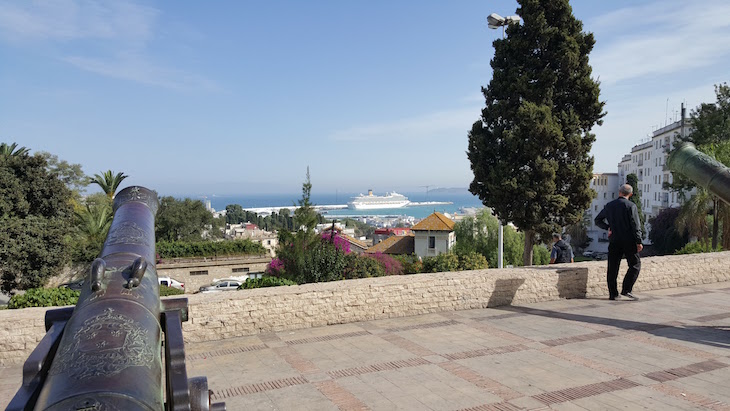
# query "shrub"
(323, 262)
(165, 291)
(664, 234)
(410, 263)
(540, 255)
(178, 249)
(265, 281)
(275, 268)
(698, 247)
(390, 264)
(441, 263)
(44, 297)
(472, 261)
(363, 267)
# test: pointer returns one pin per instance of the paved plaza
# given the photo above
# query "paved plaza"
(668, 351)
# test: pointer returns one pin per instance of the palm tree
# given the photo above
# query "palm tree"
(94, 221)
(12, 150)
(693, 214)
(109, 182)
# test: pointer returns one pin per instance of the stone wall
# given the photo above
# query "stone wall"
(237, 313)
(199, 272)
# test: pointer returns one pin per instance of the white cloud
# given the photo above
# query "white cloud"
(67, 20)
(438, 124)
(659, 38)
(107, 38)
(138, 69)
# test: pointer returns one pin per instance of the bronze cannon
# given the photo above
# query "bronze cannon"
(107, 353)
(702, 169)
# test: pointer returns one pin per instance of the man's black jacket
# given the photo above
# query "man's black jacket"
(623, 220)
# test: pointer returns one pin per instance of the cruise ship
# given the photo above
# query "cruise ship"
(373, 202)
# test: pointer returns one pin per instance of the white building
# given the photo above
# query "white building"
(648, 161)
(606, 187)
(434, 235)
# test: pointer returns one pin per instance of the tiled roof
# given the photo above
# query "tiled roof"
(354, 241)
(397, 244)
(435, 222)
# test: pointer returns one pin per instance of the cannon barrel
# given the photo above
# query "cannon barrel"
(107, 353)
(702, 169)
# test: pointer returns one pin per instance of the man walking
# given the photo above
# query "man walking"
(624, 240)
(562, 252)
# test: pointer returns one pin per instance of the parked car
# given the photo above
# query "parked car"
(221, 285)
(589, 254)
(171, 282)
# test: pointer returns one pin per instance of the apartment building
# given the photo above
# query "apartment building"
(648, 161)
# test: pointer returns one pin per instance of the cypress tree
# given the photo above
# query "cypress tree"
(633, 181)
(529, 151)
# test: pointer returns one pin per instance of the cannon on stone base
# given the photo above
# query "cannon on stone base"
(107, 352)
(702, 169)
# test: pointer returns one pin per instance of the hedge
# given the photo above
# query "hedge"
(179, 249)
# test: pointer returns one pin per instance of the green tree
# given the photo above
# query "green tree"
(530, 150)
(12, 149)
(235, 214)
(664, 234)
(92, 222)
(109, 182)
(305, 216)
(35, 216)
(633, 181)
(184, 220)
(71, 174)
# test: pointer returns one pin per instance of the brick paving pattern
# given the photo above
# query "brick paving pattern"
(669, 350)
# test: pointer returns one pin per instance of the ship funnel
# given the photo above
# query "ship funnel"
(370, 192)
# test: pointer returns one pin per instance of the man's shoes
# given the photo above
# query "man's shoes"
(630, 296)
(614, 297)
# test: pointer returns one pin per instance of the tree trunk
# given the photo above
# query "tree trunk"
(527, 254)
(715, 206)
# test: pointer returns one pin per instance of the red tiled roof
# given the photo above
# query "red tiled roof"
(435, 222)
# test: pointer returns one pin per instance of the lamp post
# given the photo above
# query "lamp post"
(494, 21)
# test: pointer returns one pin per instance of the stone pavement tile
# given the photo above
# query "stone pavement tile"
(194, 349)
(534, 372)
(527, 403)
(539, 328)
(446, 340)
(337, 355)
(257, 401)
(712, 385)
(335, 330)
(569, 406)
(300, 397)
(648, 398)
(710, 339)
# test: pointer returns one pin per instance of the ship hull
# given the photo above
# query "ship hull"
(376, 206)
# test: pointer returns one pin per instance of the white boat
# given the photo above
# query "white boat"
(373, 202)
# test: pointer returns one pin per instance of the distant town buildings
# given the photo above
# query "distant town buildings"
(434, 235)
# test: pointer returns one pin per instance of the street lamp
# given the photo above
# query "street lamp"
(494, 21)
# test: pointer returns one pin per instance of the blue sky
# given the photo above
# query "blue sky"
(240, 97)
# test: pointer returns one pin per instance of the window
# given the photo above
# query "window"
(240, 270)
(613, 195)
(200, 272)
(431, 242)
(604, 195)
(595, 207)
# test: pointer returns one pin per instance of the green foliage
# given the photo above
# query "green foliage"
(179, 249)
(411, 263)
(540, 255)
(441, 263)
(664, 234)
(320, 263)
(12, 149)
(266, 281)
(530, 150)
(70, 174)
(305, 215)
(36, 217)
(481, 234)
(108, 181)
(235, 214)
(472, 261)
(633, 181)
(44, 297)
(363, 267)
(165, 291)
(92, 222)
(185, 220)
(697, 247)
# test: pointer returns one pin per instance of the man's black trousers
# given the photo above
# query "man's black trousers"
(617, 251)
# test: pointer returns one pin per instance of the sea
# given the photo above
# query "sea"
(459, 199)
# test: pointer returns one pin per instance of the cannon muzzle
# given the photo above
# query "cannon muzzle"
(702, 169)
